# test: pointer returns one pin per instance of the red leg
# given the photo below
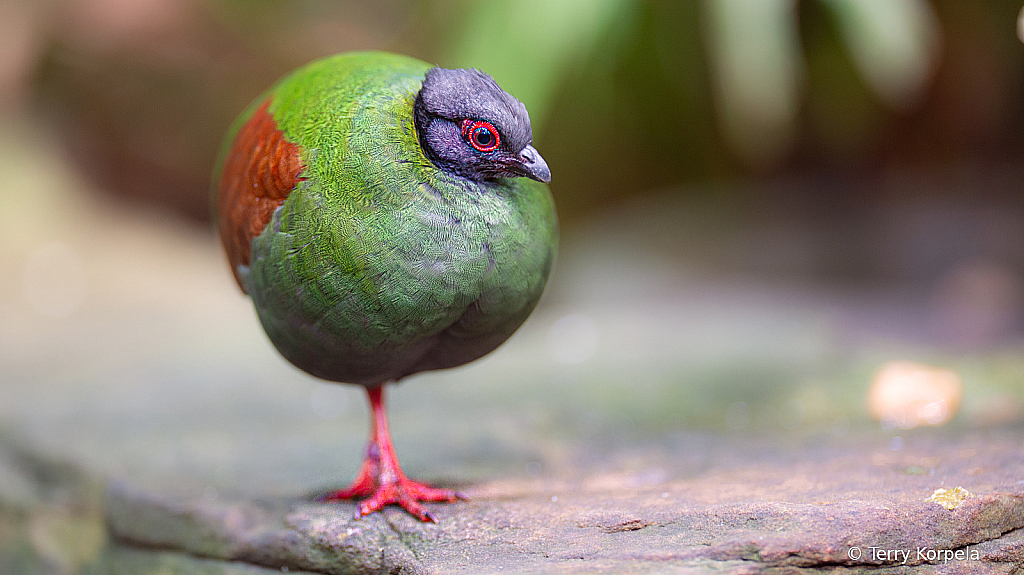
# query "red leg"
(381, 479)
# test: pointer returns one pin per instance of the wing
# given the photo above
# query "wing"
(259, 171)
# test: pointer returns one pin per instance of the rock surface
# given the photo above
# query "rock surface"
(775, 508)
(827, 512)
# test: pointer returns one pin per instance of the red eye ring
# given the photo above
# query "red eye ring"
(481, 134)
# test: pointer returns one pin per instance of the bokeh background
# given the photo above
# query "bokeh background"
(763, 202)
(838, 112)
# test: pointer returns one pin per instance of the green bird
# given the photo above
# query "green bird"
(386, 217)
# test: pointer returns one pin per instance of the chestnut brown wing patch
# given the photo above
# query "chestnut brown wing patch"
(259, 172)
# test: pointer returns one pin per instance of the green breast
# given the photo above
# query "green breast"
(380, 265)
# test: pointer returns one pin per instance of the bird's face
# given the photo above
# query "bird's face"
(469, 126)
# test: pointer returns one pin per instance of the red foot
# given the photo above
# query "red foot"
(381, 479)
(405, 493)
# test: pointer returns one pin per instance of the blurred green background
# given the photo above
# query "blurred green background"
(628, 97)
(834, 167)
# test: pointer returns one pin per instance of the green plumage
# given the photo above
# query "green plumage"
(380, 264)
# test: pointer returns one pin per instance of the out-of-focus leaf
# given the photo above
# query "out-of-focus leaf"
(755, 54)
(895, 44)
(526, 44)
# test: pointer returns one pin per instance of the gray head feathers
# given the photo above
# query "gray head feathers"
(468, 126)
(469, 93)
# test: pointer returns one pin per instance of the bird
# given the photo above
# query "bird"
(386, 217)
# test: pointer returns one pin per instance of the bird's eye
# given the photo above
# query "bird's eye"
(482, 135)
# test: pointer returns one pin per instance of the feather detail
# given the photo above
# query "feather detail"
(260, 170)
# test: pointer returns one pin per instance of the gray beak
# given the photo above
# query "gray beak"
(533, 166)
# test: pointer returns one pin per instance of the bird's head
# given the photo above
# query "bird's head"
(469, 126)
